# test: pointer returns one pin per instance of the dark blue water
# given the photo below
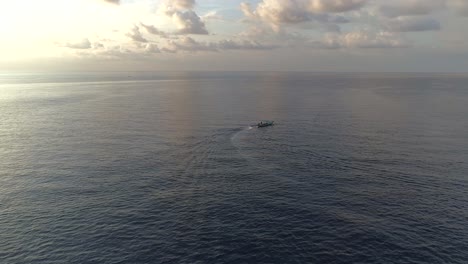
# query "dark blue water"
(164, 168)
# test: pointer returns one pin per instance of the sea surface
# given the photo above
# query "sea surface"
(143, 167)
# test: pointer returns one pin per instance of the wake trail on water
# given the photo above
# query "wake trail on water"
(231, 148)
(251, 147)
(201, 156)
(238, 139)
(237, 134)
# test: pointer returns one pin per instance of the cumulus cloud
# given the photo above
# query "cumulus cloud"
(136, 35)
(98, 45)
(298, 11)
(189, 44)
(113, 1)
(274, 37)
(153, 30)
(246, 9)
(183, 4)
(411, 7)
(189, 22)
(82, 44)
(212, 15)
(335, 6)
(152, 48)
(115, 52)
(284, 24)
(278, 11)
(362, 40)
(185, 19)
(413, 24)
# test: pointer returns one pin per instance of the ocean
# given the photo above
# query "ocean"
(144, 167)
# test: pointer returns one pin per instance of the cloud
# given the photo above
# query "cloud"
(361, 40)
(335, 6)
(136, 35)
(328, 42)
(114, 52)
(185, 19)
(212, 15)
(189, 22)
(413, 24)
(183, 4)
(330, 28)
(460, 6)
(285, 25)
(152, 48)
(82, 44)
(275, 37)
(278, 11)
(98, 45)
(246, 9)
(243, 45)
(113, 1)
(298, 11)
(411, 7)
(153, 30)
(188, 44)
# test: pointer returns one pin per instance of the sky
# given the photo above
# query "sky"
(240, 35)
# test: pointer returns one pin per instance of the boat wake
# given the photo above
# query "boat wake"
(239, 135)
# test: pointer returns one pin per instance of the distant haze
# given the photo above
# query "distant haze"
(263, 35)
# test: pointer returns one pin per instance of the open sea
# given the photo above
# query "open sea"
(142, 167)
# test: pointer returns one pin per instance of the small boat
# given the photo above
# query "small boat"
(265, 123)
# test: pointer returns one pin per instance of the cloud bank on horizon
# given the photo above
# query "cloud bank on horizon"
(113, 29)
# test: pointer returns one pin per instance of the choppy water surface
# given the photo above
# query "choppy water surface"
(164, 168)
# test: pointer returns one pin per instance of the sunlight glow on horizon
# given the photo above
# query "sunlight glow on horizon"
(34, 29)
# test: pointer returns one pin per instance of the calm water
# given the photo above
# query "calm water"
(164, 168)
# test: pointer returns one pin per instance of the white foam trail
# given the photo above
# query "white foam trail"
(239, 132)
